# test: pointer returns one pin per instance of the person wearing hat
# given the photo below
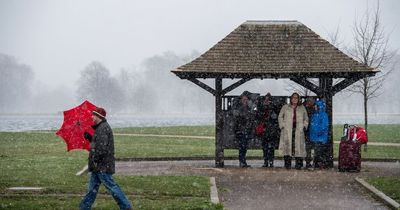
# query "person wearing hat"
(102, 162)
(309, 105)
(318, 134)
(267, 117)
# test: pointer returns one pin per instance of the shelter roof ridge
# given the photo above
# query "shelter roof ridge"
(272, 22)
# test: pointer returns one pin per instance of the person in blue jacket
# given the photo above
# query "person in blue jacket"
(318, 134)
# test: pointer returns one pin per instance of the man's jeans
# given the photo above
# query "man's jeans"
(94, 183)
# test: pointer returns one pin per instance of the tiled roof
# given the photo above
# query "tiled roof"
(272, 48)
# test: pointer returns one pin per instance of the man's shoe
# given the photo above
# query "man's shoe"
(243, 165)
(265, 165)
(298, 166)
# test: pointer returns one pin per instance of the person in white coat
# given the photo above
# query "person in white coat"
(293, 121)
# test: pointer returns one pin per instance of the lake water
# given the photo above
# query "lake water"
(53, 122)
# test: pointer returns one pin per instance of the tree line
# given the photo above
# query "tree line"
(149, 88)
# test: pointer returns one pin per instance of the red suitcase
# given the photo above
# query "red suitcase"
(350, 148)
(349, 156)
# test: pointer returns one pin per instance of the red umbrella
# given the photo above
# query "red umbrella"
(76, 121)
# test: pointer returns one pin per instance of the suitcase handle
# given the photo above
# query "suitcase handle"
(345, 129)
(346, 132)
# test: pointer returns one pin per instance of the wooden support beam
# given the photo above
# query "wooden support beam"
(345, 83)
(235, 85)
(307, 84)
(219, 125)
(202, 85)
(325, 85)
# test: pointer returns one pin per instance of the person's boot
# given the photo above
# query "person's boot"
(244, 165)
(271, 163)
(299, 163)
(317, 163)
(288, 162)
(265, 165)
(308, 165)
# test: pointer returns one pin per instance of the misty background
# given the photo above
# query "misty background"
(119, 54)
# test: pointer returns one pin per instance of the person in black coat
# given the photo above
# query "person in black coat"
(101, 163)
(309, 105)
(267, 116)
(243, 127)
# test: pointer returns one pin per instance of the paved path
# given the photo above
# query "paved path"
(258, 188)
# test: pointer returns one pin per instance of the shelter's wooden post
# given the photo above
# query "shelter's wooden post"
(219, 144)
(325, 85)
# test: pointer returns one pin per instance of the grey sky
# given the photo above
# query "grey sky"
(59, 38)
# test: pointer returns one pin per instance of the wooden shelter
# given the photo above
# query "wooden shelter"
(273, 50)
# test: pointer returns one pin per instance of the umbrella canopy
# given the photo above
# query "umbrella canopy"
(76, 121)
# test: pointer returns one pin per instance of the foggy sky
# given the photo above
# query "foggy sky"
(59, 38)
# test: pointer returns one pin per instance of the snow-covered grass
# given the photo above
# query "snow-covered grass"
(389, 133)
(206, 130)
(40, 160)
(105, 203)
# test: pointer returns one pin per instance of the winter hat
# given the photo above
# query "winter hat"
(246, 93)
(321, 105)
(100, 112)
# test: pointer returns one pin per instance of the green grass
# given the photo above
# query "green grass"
(41, 160)
(376, 133)
(388, 185)
(141, 147)
(104, 203)
(206, 130)
(376, 152)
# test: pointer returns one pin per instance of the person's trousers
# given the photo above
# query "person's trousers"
(309, 147)
(243, 142)
(94, 183)
(288, 159)
(269, 153)
(321, 155)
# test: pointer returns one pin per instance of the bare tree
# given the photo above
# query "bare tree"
(294, 87)
(15, 84)
(370, 48)
(335, 39)
(97, 85)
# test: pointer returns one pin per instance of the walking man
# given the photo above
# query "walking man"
(102, 163)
